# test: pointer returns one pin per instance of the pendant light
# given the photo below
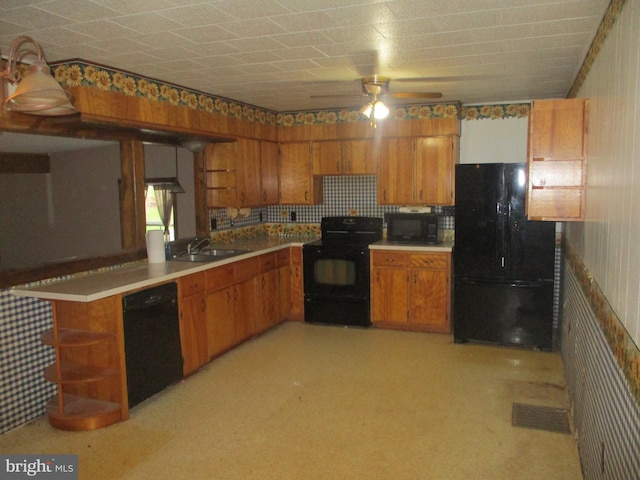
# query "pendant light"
(38, 93)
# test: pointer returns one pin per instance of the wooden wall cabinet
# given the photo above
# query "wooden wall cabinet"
(298, 186)
(193, 322)
(417, 171)
(220, 175)
(242, 173)
(411, 291)
(269, 179)
(557, 160)
(248, 173)
(343, 157)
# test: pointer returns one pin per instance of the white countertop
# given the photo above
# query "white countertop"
(386, 245)
(87, 287)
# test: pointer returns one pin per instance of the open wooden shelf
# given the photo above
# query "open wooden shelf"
(82, 413)
(71, 372)
(71, 337)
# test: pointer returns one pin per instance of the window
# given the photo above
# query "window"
(153, 194)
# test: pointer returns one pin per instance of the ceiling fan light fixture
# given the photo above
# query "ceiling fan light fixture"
(380, 110)
(375, 110)
(366, 109)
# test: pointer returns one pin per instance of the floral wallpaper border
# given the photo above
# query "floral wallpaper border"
(80, 72)
(76, 73)
(609, 19)
(269, 229)
(624, 350)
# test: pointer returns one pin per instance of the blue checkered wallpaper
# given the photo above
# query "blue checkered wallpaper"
(342, 195)
(24, 392)
(346, 195)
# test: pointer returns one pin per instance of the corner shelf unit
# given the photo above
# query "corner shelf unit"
(89, 367)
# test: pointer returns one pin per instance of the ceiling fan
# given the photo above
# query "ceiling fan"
(378, 85)
(374, 87)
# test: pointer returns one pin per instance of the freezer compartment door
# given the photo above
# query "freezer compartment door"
(515, 314)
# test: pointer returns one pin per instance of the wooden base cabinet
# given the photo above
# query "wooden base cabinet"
(411, 290)
(193, 322)
(89, 370)
(232, 304)
(283, 261)
(296, 310)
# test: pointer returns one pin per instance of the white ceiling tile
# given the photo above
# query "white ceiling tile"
(133, 7)
(254, 27)
(103, 29)
(78, 10)
(149, 22)
(197, 15)
(207, 34)
(33, 18)
(246, 9)
(276, 53)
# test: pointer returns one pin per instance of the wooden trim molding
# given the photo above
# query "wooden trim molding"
(24, 163)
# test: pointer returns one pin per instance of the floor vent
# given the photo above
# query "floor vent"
(542, 418)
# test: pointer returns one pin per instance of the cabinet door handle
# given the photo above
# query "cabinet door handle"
(228, 296)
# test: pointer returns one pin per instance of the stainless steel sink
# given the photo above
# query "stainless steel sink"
(209, 255)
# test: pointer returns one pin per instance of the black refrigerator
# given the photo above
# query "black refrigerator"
(503, 264)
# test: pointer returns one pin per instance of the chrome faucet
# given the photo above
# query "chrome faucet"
(196, 245)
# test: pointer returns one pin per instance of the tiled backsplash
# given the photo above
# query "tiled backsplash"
(343, 195)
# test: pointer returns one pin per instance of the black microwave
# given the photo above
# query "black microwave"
(412, 228)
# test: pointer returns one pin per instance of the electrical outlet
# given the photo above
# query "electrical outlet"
(213, 223)
(293, 216)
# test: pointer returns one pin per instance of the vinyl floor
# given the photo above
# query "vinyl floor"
(319, 402)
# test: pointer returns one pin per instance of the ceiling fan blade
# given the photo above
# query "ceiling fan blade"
(355, 95)
(416, 95)
(448, 78)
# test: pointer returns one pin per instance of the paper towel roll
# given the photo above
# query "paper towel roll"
(155, 246)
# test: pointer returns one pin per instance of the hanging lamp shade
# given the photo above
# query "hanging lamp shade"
(37, 93)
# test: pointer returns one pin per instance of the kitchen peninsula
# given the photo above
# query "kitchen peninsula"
(221, 304)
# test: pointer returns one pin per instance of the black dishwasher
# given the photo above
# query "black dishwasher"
(151, 341)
